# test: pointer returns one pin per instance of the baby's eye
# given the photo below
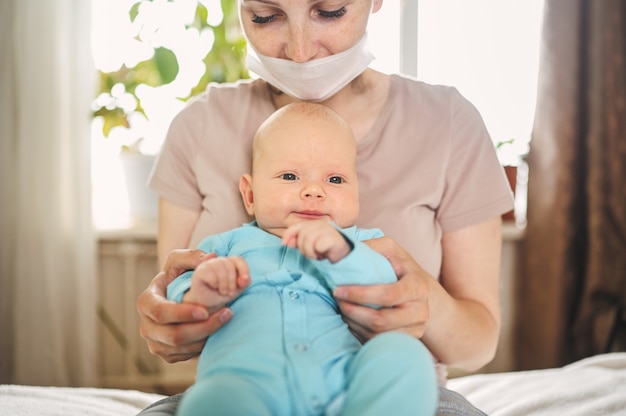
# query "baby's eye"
(335, 179)
(289, 177)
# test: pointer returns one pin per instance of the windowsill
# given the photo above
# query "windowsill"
(147, 230)
(137, 230)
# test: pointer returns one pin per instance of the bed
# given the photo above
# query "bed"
(593, 386)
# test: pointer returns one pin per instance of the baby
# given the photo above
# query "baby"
(287, 350)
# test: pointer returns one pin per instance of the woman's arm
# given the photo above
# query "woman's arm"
(175, 331)
(465, 308)
(458, 319)
(176, 224)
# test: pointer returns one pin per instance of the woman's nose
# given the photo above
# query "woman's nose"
(300, 45)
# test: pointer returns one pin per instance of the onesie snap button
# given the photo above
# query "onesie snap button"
(295, 276)
(316, 403)
(301, 347)
(294, 295)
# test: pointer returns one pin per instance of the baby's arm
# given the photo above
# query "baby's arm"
(318, 240)
(353, 262)
(214, 283)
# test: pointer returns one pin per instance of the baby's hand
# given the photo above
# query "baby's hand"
(218, 281)
(318, 240)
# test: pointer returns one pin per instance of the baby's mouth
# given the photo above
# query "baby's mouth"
(312, 214)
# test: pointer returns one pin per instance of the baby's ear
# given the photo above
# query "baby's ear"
(245, 187)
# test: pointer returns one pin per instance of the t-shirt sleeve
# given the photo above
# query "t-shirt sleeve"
(476, 187)
(173, 176)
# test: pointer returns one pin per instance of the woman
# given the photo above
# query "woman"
(427, 169)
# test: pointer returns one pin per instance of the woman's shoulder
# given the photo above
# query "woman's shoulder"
(226, 96)
(441, 103)
(409, 88)
(226, 105)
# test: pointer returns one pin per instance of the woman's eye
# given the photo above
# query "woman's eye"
(263, 19)
(327, 14)
(288, 177)
(332, 14)
(335, 179)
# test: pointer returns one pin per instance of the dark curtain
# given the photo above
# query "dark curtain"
(573, 278)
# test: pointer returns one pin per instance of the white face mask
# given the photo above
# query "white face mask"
(315, 80)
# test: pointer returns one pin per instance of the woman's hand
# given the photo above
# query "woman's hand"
(404, 304)
(458, 319)
(176, 331)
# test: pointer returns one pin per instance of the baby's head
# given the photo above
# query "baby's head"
(303, 167)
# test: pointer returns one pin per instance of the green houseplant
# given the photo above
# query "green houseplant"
(127, 95)
(225, 61)
(511, 153)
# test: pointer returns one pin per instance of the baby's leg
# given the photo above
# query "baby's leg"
(392, 374)
(223, 395)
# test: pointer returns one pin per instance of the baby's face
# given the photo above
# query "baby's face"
(304, 169)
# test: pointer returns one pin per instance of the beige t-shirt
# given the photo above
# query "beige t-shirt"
(428, 165)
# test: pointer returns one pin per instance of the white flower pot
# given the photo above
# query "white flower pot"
(142, 201)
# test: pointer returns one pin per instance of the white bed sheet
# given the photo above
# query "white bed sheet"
(593, 386)
(65, 401)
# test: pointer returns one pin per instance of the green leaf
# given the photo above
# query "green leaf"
(504, 143)
(166, 64)
(134, 11)
(200, 17)
(112, 118)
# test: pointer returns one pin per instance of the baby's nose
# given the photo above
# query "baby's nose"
(313, 191)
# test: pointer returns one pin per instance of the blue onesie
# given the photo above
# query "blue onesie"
(287, 351)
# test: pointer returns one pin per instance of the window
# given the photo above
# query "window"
(488, 49)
